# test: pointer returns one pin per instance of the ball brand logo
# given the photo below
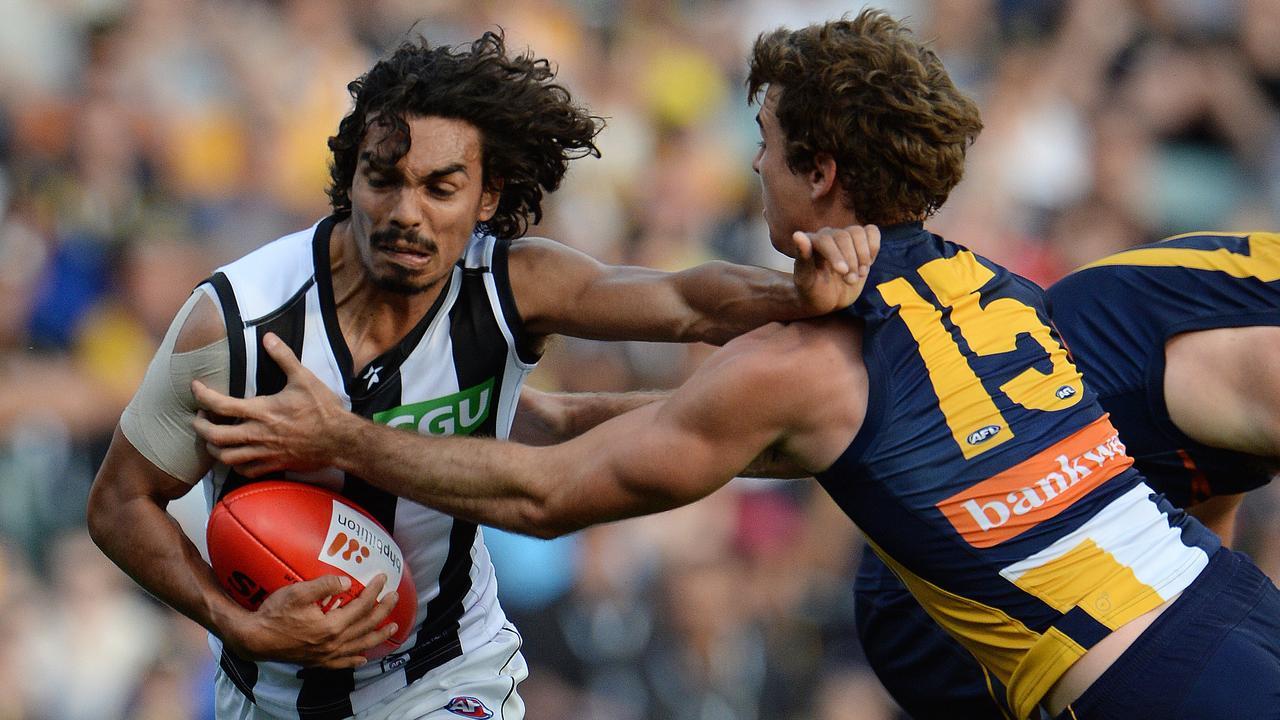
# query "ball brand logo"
(245, 586)
(350, 548)
(360, 547)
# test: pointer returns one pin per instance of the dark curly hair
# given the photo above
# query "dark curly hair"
(529, 127)
(867, 93)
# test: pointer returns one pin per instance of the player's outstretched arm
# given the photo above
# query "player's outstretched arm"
(547, 418)
(128, 521)
(744, 400)
(564, 292)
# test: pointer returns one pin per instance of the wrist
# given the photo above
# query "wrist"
(343, 433)
(227, 621)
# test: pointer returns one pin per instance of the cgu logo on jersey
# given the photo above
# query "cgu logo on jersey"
(457, 414)
(468, 707)
(1012, 502)
(359, 547)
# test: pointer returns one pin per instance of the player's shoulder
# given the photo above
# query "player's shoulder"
(782, 354)
(533, 251)
(199, 324)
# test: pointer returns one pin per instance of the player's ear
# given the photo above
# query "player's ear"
(489, 200)
(822, 178)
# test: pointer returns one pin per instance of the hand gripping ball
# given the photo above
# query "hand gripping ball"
(266, 535)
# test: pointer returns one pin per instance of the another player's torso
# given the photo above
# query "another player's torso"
(987, 475)
(458, 372)
(1117, 314)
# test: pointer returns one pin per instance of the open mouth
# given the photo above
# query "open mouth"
(411, 255)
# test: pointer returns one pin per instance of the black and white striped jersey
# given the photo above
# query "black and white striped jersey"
(458, 372)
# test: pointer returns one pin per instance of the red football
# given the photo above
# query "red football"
(266, 535)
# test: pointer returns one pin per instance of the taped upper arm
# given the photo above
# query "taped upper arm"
(157, 421)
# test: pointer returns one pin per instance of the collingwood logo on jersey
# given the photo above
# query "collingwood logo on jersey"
(456, 414)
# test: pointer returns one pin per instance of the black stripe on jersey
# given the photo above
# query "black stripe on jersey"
(235, 331)
(438, 641)
(325, 694)
(525, 348)
(242, 673)
(328, 308)
(289, 323)
(379, 503)
(476, 358)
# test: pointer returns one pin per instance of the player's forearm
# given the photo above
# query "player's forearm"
(503, 484)
(547, 418)
(730, 300)
(139, 536)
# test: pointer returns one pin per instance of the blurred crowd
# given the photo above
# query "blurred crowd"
(145, 142)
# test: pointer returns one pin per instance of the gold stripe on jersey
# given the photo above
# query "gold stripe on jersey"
(1027, 662)
(1121, 563)
(1262, 262)
(997, 639)
(1090, 577)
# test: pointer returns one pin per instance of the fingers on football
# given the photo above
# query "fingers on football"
(313, 591)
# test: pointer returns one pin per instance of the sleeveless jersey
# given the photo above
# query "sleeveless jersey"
(1116, 315)
(987, 476)
(459, 371)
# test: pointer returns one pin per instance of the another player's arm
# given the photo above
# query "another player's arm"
(1221, 391)
(741, 402)
(127, 518)
(559, 290)
(547, 418)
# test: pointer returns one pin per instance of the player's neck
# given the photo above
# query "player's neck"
(372, 319)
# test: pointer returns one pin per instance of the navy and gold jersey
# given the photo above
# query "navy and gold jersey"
(1116, 315)
(987, 476)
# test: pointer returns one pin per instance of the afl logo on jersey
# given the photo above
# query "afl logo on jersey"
(981, 435)
(1065, 392)
(468, 707)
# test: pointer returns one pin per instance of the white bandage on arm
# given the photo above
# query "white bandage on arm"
(157, 422)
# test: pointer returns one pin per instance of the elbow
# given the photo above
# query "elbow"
(541, 520)
(98, 517)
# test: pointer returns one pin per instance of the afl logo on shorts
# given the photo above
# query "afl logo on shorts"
(468, 707)
(1065, 392)
(981, 435)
